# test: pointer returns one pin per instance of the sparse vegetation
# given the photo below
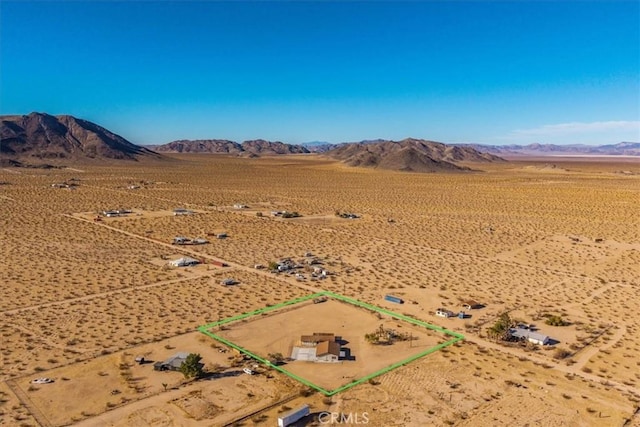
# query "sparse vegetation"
(555, 320)
(436, 251)
(500, 329)
(192, 367)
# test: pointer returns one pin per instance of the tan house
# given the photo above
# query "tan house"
(318, 347)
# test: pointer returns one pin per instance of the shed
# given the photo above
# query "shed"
(537, 338)
(443, 312)
(292, 416)
(184, 262)
(182, 211)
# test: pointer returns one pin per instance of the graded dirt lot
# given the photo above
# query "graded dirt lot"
(82, 298)
(347, 322)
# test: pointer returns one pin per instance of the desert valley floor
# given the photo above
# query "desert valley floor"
(81, 299)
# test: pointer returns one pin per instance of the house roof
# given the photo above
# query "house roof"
(184, 261)
(538, 337)
(176, 360)
(525, 333)
(328, 347)
(318, 337)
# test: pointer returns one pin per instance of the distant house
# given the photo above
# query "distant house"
(240, 206)
(181, 240)
(319, 347)
(228, 282)
(173, 363)
(182, 211)
(442, 312)
(472, 305)
(184, 262)
(221, 235)
(528, 335)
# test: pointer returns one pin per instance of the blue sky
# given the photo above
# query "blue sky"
(495, 72)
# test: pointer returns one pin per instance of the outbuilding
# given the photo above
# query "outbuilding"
(184, 262)
(527, 334)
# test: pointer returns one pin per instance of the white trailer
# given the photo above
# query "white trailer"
(293, 416)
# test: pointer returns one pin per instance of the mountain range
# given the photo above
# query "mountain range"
(37, 138)
(409, 155)
(42, 137)
(253, 147)
(620, 149)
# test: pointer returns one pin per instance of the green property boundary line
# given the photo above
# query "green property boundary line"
(205, 329)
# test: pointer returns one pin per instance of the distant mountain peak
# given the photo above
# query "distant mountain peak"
(538, 149)
(409, 154)
(41, 136)
(251, 147)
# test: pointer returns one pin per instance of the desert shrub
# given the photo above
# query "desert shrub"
(554, 320)
(561, 353)
(306, 392)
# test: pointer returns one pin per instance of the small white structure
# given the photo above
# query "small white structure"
(442, 312)
(228, 282)
(532, 337)
(182, 211)
(184, 262)
(292, 416)
(240, 206)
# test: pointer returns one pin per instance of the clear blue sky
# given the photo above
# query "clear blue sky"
(484, 71)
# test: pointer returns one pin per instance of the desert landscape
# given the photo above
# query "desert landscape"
(85, 294)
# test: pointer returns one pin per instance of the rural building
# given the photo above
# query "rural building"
(240, 206)
(292, 416)
(182, 211)
(442, 312)
(171, 364)
(199, 241)
(528, 335)
(219, 263)
(184, 262)
(472, 305)
(319, 347)
(180, 240)
(394, 299)
(228, 282)
(116, 212)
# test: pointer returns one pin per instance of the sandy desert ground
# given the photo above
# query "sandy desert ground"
(81, 299)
